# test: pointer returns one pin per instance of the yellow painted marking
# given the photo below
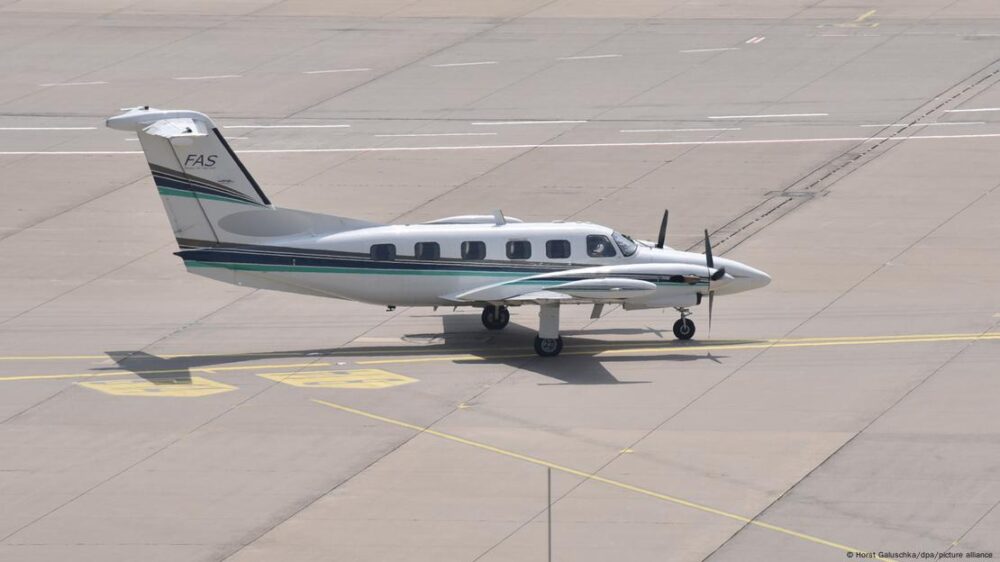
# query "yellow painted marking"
(689, 349)
(463, 406)
(167, 388)
(420, 351)
(348, 352)
(157, 372)
(359, 378)
(860, 21)
(626, 451)
(596, 478)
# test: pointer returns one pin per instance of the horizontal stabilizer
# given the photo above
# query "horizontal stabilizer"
(173, 128)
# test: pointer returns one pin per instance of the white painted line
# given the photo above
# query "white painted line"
(972, 110)
(437, 135)
(215, 77)
(711, 50)
(534, 146)
(754, 40)
(487, 123)
(678, 130)
(465, 63)
(71, 153)
(336, 70)
(339, 126)
(835, 35)
(768, 116)
(925, 124)
(47, 128)
(73, 84)
(237, 138)
(587, 57)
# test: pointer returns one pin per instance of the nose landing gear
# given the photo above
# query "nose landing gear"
(684, 328)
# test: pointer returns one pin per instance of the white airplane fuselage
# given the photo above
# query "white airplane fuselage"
(227, 229)
(342, 265)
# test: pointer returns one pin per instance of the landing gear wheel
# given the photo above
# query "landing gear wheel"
(495, 317)
(684, 329)
(548, 347)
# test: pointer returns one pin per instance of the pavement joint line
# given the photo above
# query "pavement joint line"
(690, 349)
(596, 478)
(347, 352)
(157, 372)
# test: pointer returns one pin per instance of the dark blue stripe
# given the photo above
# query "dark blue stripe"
(361, 261)
(163, 181)
(226, 256)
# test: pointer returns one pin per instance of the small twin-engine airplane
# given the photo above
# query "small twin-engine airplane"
(228, 230)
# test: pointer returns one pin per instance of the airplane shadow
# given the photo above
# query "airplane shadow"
(582, 362)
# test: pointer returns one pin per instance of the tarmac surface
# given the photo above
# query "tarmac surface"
(849, 150)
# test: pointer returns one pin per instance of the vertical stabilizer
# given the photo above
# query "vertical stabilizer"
(209, 195)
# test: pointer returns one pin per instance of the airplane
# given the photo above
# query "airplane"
(228, 230)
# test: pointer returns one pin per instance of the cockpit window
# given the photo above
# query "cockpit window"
(625, 244)
(598, 246)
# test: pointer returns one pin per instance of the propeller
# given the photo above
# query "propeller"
(719, 273)
(663, 229)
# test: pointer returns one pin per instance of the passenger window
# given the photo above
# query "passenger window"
(599, 246)
(427, 250)
(557, 249)
(473, 250)
(518, 249)
(383, 252)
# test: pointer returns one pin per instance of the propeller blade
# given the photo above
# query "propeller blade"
(708, 252)
(711, 302)
(663, 229)
(710, 263)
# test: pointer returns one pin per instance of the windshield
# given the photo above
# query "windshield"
(625, 244)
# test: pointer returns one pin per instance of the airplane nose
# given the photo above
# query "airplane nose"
(757, 278)
(744, 277)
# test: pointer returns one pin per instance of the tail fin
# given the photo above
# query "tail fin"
(209, 195)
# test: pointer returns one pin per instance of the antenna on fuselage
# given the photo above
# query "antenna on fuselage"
(499, 218)
(663, 229)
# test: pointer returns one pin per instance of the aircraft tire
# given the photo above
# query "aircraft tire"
(684, 329)
(548, 347)
(495, 317)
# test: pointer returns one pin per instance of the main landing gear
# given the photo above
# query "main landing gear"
(548, 343)
(495, 317)
(684, 328)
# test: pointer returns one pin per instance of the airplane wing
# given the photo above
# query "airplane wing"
(605, 284)
(540, 290)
